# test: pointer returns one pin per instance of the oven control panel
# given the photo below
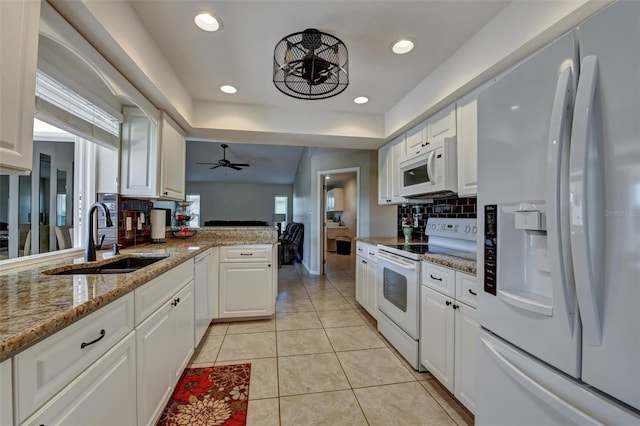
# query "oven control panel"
(463, 229)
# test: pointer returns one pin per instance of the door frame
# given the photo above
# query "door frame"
(321, 197)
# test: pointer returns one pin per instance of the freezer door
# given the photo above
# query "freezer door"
(515, 389)
(605, 193)
(524, 261)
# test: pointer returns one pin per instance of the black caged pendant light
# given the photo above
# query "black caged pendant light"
(310, 65)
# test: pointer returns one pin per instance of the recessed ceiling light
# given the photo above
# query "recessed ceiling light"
(208, 22)
(361, 100)
(228, 89)
(327, 177)
(402, 46)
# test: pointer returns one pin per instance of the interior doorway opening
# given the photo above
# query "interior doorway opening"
(339, 212)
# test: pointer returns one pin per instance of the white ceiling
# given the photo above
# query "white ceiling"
(241, 54)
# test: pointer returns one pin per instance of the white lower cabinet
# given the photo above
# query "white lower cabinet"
(154, 366)
(366, 278)
(448, 333)
(6, 393)
(164, 339)
(104, 394)
(437, 335)
(203, 289)
(247, 281)
(466, 334)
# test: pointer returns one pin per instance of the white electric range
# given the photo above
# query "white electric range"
(398, 289)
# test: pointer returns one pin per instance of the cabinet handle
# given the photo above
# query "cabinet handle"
(246, 254)
(165, 193)
(447, 303)
(364, 261)
(269, 265)
(175, 301)
(102, 334)
(473, 292)
(434, 278)
(455, 306)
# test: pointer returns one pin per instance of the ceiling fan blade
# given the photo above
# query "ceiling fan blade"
(232, 166)
(240, 164)
(214, 167)
(206, 163)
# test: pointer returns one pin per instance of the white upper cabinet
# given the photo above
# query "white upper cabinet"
(467, 146)
(152, 160)
(416, 137)
(19, 24)
(389, 172)
(442, 124)
(174, 154)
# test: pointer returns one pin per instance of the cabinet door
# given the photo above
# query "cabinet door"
(104, 394)
(19, 23)
(246, 289)
(466, 332)
(107, 170)
(436, 335)
(385, 158)
(361, 281)
(154, 366)
(394, 172)
(201, 287)
(442, 124)
(6, 393)
(139, 155)
(182, 330)
(416, 137)
(174, 147)
(372, 282)
(467, 126)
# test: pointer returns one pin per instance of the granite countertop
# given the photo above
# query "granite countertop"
(461, 262)
(34, 305)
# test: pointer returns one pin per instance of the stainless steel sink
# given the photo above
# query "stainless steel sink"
(125, 265)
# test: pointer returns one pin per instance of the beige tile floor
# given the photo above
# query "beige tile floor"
(321, 360)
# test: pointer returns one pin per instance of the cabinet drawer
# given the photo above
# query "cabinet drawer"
(150, 296)
(361, 248)
(439, 278)
(466, 291)
(91, 398)
(371, 253)
(45, 368)
(246, 253)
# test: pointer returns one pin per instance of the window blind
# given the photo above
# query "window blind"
(64, 108)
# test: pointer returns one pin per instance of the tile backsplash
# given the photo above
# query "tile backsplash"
(452, 207)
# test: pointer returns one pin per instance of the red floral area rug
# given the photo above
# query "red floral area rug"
(209, 396)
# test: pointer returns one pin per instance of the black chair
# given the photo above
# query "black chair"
(291, 243)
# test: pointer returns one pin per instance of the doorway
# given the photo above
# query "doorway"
(339, 201)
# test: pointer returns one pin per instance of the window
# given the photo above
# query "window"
(280, 212)
(194, 210)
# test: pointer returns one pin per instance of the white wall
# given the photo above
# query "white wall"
(374, 220)
(238, 201)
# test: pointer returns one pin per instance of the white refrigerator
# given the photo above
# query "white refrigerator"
(559, 215)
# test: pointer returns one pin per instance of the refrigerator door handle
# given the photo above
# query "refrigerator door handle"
(586, 206)
(557, 192)
(509, 365)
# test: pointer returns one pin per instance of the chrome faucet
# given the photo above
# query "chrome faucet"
(90, 247)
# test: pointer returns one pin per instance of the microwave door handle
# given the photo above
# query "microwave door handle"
(430, 164)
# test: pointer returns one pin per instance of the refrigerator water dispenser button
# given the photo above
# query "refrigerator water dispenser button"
(529, 220)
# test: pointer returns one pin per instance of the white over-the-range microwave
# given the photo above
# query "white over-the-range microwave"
(430, 171)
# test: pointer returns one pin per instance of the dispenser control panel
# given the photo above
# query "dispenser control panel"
(490, 248)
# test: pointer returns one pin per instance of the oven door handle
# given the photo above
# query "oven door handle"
(397, 260)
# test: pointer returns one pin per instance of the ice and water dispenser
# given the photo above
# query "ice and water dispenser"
(516, 262)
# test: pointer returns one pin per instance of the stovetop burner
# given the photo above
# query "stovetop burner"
(424, 248)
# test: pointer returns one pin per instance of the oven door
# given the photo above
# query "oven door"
(399, 290)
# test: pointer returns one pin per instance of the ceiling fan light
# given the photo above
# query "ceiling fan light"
(207, 22)
(402, 46)
(310, 65)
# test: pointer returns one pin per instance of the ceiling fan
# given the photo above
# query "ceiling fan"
(226, 163)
